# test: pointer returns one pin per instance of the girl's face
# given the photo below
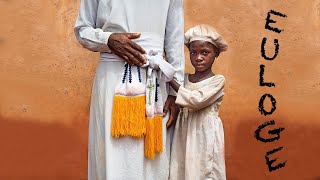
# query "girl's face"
(202, 55)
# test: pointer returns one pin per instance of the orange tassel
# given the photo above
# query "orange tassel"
(149, 151)
(128, 116)
(158, 141)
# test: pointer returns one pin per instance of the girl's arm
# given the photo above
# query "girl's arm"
(202, 97)
(173, 83)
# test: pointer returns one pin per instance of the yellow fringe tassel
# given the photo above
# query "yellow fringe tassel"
(128, 116)
(129, 119)
(158, 144)
(153, 143)
(149, 150)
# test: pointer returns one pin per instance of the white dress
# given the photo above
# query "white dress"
(123, 158)
(198, 141)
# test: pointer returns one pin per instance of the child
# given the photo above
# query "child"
(198, 140)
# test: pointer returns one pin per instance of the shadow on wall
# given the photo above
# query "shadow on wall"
(42, 151)
(245, 155)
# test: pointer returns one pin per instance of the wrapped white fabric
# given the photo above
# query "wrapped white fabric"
(205, 33)
(159, 70)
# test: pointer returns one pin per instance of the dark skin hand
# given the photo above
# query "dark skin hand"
(173, 108)
(131, 52)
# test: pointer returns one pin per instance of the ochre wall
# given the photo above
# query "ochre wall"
(46, 79)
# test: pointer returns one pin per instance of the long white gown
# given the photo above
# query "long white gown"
(198, 141)
(123, 158)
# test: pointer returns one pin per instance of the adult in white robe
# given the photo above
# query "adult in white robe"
(198, 140)
(123, 158)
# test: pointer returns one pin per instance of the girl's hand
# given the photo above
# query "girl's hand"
(174, 110)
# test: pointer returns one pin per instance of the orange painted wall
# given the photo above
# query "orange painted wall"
(46, 79)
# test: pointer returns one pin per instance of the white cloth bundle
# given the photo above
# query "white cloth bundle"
(159, 72)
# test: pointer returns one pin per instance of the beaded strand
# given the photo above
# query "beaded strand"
(125, 73)
(156, 94)
(130, 74)
(139, 73)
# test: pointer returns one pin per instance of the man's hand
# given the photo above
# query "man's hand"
(121, 45)
(173, 108)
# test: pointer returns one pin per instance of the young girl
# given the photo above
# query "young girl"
(198, 140)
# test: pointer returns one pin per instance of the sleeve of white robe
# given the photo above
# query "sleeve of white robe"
(88, 35)
(174, 40)
(203, 97)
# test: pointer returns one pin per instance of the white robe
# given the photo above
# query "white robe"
(198, 141)
(123, 158)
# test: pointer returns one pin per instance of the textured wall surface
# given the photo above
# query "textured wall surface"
(46, 79)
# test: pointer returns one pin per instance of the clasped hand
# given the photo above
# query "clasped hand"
(122, 45)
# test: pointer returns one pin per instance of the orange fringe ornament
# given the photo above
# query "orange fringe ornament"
(128, 116)
(129, 119)
(158, 144)
(153, 143)
(149, 150)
